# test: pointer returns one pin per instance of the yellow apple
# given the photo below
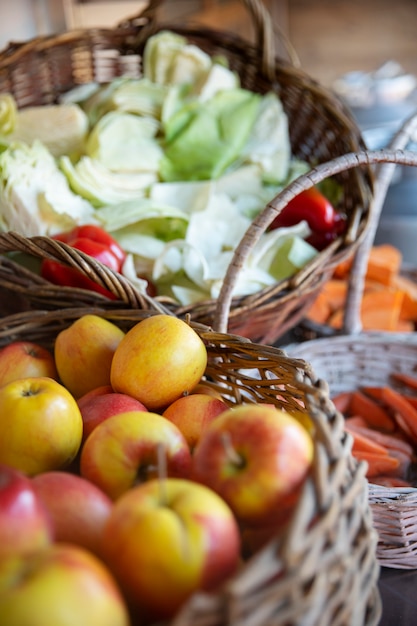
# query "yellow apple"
(61, 585)
(160, 359)
(78, 509)
(84, 352)
(126, 449)
(166, 539)
(256, 457)
(40, 425)
(24, 359)
(25, 524)
(193, 413)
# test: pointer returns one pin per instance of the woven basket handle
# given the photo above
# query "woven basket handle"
(267, 34)
(352, 318)
(274, 208)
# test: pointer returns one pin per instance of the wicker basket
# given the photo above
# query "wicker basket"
(347, 363)
(322, 569)
(321, 128)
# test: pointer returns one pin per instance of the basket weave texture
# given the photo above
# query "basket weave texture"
(321, 128)
(322, 569)
(368, 359)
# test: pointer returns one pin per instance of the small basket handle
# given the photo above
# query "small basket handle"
(266, 32)
(274, 208)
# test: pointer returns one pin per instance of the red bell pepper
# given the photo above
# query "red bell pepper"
(95, 242)
(94, 233)
(314, 208)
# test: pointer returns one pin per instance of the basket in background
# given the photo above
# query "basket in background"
(347, 363)
(321, 128)
(321, 570)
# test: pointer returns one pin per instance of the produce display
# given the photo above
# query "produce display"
(174, 166)
(383, 424)
(389, 300)
(126, 482)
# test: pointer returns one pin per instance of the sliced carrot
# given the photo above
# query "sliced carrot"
(404, 465)
(405, 326)
(378, 463)
(405, 429)
(362, 443)
(371, 411)
(388, 440)
(320, 310)
(397, 403)
(409, 306)
(342, 270)
(335, 291)
(373, 392)
(380, 310)
(411, 399)
(342, 401)
(356, 421)
(384, 263)
(405, 379)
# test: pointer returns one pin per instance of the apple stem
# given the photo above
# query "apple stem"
(162, 474)
(231, 453)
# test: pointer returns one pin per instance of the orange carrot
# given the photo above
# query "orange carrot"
(378, 463)
(356, 421)
(342, 401)
(405, 428)
(362, 443)
(398, 404)
(405, 379)
(371, 411)
(405, 462)
(411, 399)
(390, 441)
(372, 392)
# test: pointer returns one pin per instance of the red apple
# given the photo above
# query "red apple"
(96, 407)
(25, 524)
(24, 359)
(193, 413)
(60, 585)
(257, 458)
(159, 360)
(40, 425)
(78, 508)
(129, 448)
(166, 539)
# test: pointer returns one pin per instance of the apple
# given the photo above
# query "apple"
(166, 539)
(40, 425)
(24, 359)
(60, 585)
(193, 413)
(206, 388)
(159, 360)
(96, 407)
(256, 457)
(25, 524)
(84, 352)
(133, 447)
(78, 509)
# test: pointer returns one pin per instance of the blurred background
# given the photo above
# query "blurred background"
(366, 50)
